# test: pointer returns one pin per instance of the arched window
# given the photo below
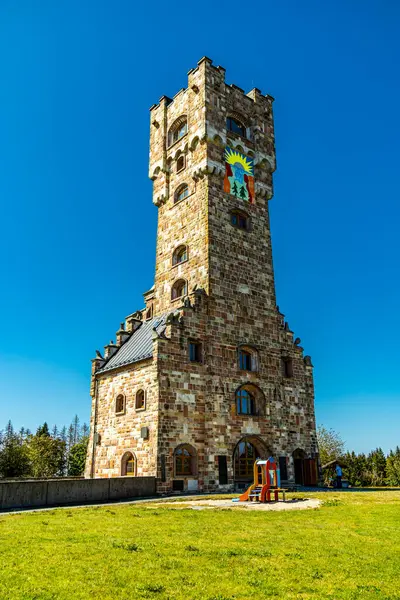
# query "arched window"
(120, 404)
(235, 126)
(248, 358)
(185, 461)
(180, 163)
(128, 465)
(180, 255)
(250, 400)
(240, 220)
(149, 313)
(179, 289)
(140, 402)
(181, 193)
(178, 130)
(245, 402)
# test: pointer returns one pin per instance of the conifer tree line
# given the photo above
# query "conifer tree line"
(361, 470)
(55, 453)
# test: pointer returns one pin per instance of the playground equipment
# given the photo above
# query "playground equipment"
(267, 481)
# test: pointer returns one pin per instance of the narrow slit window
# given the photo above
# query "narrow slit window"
(120, 404)
(180, 164)
(140, 400)
(287, 367)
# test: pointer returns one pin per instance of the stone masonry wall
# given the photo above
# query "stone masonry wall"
(121, 433)
(198, 406)
(197, 401)
(183, 222)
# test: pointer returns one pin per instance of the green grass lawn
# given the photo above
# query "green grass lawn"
(349, 548)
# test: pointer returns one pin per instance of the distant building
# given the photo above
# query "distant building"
(207, 377)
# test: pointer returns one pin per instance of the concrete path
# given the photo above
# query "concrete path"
(178, 501)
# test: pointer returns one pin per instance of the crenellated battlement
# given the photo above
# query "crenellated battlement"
(254, 95)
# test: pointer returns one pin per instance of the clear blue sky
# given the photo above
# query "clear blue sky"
(77, 227)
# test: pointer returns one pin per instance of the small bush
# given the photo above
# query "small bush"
(317, 575)
(152, 588)
(191, 548)
(294, 555)
(333, 502)
(129, 546)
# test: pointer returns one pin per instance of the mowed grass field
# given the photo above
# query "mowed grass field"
(349, 548)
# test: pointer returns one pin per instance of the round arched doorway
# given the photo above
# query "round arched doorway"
(246, 453)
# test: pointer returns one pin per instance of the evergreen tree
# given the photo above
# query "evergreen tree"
(14, 460)
(376, 462)
(54, 432)
(77, 458)
(76, 429)
(356, 470)
(63, 438)
(393, 468)
(63, 434)
(70, 437)
(85, 430)
(9, 431)
(43, 430)
(235, 188)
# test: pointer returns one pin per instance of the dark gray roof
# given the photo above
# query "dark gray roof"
(138, 347)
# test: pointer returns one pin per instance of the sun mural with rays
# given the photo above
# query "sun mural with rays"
(239, 175)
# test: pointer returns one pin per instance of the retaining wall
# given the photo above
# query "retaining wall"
(61, 492)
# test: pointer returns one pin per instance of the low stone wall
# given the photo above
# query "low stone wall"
(61, 492)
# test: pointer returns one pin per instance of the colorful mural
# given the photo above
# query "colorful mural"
(239, 175)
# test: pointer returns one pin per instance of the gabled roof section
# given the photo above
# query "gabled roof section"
(138, 347)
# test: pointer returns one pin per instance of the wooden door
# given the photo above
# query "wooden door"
(310, 471)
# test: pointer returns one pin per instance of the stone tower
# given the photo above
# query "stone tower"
(207, 376)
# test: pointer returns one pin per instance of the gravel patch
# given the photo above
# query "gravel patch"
(298, 504)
